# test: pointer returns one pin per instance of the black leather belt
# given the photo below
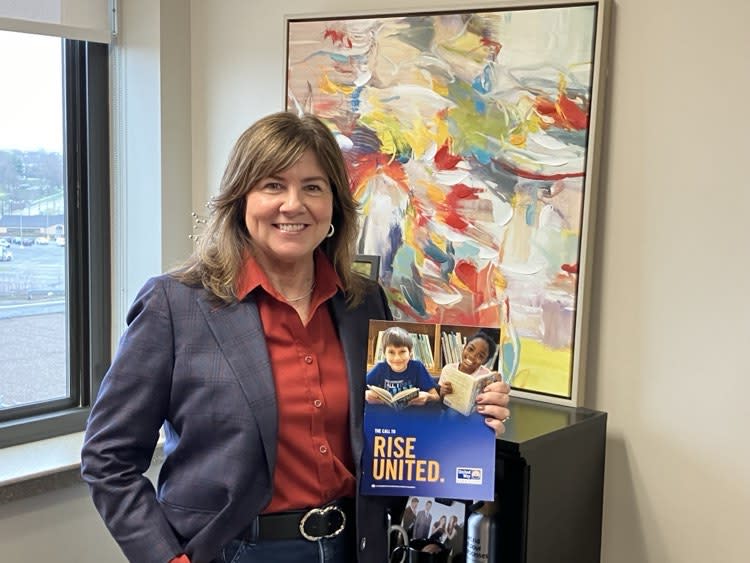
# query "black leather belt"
(311, 524)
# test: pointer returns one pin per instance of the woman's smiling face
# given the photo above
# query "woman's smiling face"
(289, 213)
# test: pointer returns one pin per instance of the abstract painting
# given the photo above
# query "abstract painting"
(469, 139)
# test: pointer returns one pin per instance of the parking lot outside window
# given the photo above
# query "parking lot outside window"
(54, 234)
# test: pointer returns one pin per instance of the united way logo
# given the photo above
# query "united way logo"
(469, 475)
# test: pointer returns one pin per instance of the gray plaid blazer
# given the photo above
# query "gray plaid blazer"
(202, 371)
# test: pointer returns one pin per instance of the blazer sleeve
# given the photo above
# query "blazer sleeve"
(123, 429)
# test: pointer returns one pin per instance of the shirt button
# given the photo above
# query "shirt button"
(323, 450)
(308, 359)
(318, 403)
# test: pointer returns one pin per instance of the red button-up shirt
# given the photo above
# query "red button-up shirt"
(313, 455)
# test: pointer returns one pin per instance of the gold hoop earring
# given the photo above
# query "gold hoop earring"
(331, 231)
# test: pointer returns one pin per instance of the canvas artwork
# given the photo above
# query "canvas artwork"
(469, 138)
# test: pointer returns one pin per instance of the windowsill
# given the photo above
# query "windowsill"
(39, 467)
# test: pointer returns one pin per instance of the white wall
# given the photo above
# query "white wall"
(670, 306)
(61, 526)
(151, 141)
(667, 357)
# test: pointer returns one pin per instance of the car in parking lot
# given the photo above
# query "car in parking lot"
(4, 243)
(5, 254)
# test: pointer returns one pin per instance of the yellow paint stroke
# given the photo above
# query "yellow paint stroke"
(440, 87)
(389, 132)
(543, 369)
(419, 138)
(330, 87)
(467, 45)
(434, 193)
(501, 284)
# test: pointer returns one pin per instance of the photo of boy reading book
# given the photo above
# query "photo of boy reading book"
(461, 382)
(399, 381)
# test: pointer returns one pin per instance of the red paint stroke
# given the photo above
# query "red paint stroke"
(545, 107)
(493, 46)
(564, 112)
(570, 268)
(337, 37)
(454, 220)
(421, 217)
(573, 116)
(467, 273)
(535, 176)
(449, 208)
(365, 167)
(459, 192)
(444, 160)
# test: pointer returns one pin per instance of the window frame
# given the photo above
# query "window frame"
(88, 279)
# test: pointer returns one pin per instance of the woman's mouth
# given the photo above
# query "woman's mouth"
(290, 227)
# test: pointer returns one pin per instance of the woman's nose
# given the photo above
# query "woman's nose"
(292, 199)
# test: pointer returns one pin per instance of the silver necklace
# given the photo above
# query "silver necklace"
(300, 298)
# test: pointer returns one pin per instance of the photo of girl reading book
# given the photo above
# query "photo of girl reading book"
(398, 372)
(461, 382)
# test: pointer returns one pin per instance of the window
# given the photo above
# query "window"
(54, 233)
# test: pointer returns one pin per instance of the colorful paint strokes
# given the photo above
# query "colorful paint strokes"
(466, 138)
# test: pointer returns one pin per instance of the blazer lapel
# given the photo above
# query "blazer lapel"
(238, 331)
(353, 326)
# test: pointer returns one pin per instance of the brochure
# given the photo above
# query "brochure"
(425, 448)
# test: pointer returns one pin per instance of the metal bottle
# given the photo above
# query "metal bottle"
(481, 534)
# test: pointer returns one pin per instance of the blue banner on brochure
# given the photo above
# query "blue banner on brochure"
(430, 451)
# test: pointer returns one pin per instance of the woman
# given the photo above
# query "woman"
(251, 358)
(451, 538)
(438, 529)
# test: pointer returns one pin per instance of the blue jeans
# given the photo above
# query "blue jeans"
(340, 549)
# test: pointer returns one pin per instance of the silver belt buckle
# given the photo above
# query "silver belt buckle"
(322, 511)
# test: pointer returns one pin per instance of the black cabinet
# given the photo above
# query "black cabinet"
(550, 484)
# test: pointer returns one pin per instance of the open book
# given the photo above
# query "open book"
(465, 388)
(397, 401)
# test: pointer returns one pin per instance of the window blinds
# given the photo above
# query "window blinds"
(89, 20)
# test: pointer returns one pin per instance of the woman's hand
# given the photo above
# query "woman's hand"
(492, 402)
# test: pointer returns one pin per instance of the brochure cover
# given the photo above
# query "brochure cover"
(425, 448)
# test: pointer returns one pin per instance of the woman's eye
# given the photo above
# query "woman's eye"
(273, 187)
(314, 188)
